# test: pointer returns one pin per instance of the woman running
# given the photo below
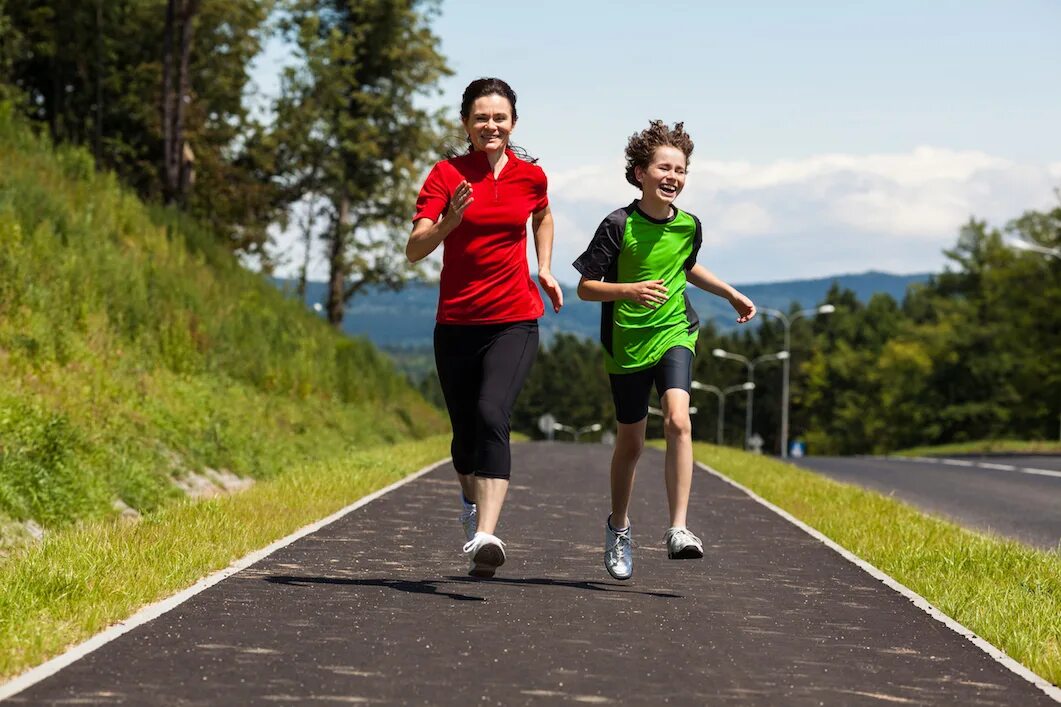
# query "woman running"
(486, 333)
(637, 265)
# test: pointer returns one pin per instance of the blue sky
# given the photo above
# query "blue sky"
(830, 137)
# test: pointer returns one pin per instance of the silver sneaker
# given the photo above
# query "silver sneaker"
(487, 553)
(618, 551)
(470, 521)
(683, 545)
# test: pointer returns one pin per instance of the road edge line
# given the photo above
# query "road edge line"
(919, 601)
(153, 611)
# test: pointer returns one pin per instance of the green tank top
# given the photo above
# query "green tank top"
(631, 246)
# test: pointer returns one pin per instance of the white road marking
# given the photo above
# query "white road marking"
(917, 600)
(980, 465)
(1041, 472)
(153, 611)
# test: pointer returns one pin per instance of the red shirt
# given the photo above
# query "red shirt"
(485, 277)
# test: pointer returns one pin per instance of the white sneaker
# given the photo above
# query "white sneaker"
(470, 521)
(683, 545)
(487, 553)
(618, 551)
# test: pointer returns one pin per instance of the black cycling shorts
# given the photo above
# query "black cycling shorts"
(630, 391)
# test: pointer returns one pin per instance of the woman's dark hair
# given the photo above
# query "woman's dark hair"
(487, 87)
(480, 88)
(642, 146)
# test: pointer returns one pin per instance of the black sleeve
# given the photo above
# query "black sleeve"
(603, 250)
(698, 239)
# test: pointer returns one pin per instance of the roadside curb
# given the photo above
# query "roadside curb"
(1052, 691)
(152, 611)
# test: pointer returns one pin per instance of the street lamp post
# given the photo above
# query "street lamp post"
(721, 395)
(659, 413)
(595, 427)
(824, 309)
(565, 428)
(577, 432)
(1022, 244)
(750, 364)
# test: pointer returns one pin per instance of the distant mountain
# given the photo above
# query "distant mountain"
(405, 319)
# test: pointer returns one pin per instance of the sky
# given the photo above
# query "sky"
(831, 137)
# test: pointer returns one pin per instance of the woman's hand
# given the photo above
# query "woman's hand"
(461, 200)
(650, 293)
(552, 288)
(744, 306)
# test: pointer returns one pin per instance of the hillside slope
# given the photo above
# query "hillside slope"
(134, 351)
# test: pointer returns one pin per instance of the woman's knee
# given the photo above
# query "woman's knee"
(493, 419)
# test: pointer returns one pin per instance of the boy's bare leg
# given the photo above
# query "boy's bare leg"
(489, 497)
(629, 441)
(679, 461)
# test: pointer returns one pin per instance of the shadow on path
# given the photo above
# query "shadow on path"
(432, 586)
(424, 586)
(613, 587)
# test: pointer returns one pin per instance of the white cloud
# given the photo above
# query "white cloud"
(812, 217)
(820, 215)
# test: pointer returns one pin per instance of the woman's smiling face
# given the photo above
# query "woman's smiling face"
(664, 178)
(490, 123)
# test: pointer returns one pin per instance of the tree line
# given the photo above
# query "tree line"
(975, 353)
(160, 92)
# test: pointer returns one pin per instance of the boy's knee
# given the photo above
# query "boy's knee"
(677, 427)
(630, 445)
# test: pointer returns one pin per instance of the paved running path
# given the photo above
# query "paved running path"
(375, 608)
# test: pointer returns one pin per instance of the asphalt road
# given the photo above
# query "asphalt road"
(375, 608)
(992, 498)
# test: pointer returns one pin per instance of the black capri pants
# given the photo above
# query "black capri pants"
(630, 391)
(481, 368)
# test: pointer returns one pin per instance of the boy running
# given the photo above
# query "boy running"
(637, 265)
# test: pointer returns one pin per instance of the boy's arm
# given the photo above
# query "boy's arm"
(707, 281)
(650, 293)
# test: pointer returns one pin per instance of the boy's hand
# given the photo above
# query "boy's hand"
(744, 306)
(552, 288)
(650, 293)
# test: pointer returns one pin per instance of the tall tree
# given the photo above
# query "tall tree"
(367, 64)
(176, 48)
(93, 72)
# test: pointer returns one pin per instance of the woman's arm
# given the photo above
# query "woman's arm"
(427, 234)
(542, 224)
(709, 282)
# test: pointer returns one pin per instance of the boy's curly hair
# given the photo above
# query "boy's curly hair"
(642, 146)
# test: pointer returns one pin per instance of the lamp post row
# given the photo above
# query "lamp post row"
(783, 356)
(748, 386)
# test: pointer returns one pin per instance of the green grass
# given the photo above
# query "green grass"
(1004, 591)
(82, 579)
(1015, 446)
(134, 349)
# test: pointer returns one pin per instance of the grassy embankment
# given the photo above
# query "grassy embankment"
(1010, 446)
(1004, 591)
(134, 350)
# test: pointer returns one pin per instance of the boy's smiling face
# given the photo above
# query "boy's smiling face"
(664, 177)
